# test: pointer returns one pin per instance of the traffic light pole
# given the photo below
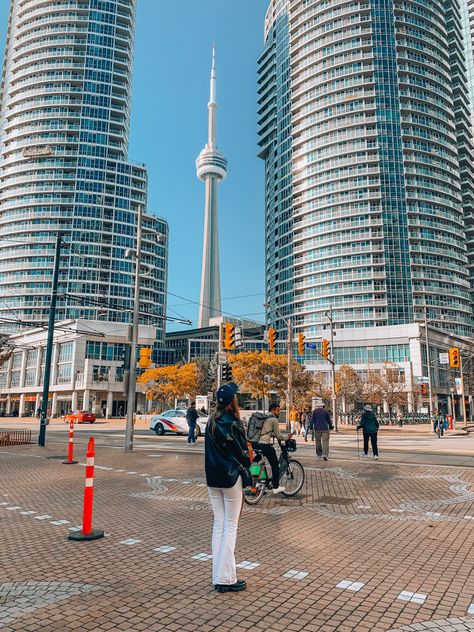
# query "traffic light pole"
(289, 398)
(333, 373)
(132, 379)
(49, 344)
(428, 362)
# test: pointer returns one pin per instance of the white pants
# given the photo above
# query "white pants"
(226, 505)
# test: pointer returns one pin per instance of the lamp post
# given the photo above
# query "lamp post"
(49, 344)
(333, 370)
(428, 362)
(133, 338)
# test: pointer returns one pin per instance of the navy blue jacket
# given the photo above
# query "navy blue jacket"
(225, 451)
(320, 420)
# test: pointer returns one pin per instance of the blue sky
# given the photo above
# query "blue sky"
(169, 128)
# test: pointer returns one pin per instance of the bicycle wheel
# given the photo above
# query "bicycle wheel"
(252, 495)
(292, 478)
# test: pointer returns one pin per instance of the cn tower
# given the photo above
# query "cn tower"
(211, 168)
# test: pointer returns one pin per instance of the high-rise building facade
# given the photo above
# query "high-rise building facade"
(65, 116)
(365, 132)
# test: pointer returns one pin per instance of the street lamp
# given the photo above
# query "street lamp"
(428, 363)
(290, 359)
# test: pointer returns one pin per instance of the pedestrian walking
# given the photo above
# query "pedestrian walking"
(307, 425)
(226, 454)
(191, 417)
(440, 423)
(294, 417)
(370, 427)
(321, 423)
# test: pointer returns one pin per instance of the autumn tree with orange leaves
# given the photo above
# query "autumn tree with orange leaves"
(171, 382)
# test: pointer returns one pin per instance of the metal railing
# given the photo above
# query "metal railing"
(15, 437)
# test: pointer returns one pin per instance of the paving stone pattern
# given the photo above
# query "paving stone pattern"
(334, 558)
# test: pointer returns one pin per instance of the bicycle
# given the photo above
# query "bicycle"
(292, 474)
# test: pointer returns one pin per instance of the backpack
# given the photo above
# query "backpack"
(255, 426)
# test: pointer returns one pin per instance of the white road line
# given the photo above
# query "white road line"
(58, 522)
(348, 584)
(294, 574)
(406, 595)
(45, 517)
(165, 549)
(248, 565)
(202, 556)
(130, 541)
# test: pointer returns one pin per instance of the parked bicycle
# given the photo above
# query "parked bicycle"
(292, 474)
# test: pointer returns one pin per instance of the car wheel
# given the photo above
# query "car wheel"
(91, 422)
(160, 431)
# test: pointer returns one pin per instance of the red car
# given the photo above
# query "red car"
(80, 416)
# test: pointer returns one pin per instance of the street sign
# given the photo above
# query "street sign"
(444, 358)
(422, 380)
(238, 337)
(221, 357)
(311, 345)
(457, 381)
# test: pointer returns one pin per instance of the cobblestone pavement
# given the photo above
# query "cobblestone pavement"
(366, 546)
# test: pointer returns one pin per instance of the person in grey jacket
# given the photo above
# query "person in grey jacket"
(270, 430)
(321, 424)
(370, 426)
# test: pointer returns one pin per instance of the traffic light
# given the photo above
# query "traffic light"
(145, 358)
(454, 358)
(301, 343)
(424, 390)
(338, 387)
(272, 339)
(226, 372)
(125, 357)
(229, 336)
(325, 349)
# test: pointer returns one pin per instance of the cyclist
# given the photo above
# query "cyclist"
(270, 430)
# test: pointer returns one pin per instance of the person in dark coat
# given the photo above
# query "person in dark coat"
(192, 416)
(321, 424)
(225, 455)
(370, 427)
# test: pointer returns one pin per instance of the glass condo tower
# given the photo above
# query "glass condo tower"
(365, 130)
(65, 115)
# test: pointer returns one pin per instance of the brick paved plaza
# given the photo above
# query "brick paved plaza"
(366, 546)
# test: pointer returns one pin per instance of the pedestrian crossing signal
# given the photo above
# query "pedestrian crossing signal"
(424, 390)
(226, 372)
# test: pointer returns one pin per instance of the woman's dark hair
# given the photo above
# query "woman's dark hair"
(273, 406)
(219, 410)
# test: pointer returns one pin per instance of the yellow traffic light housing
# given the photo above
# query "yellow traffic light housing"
(145, 358)
(272, 339)
(301, 343)
(454, 358)
(229, 336)
(424, 390)
(325, 349)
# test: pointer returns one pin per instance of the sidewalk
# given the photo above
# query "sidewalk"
(359, 549)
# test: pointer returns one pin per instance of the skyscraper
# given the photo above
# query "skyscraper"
(364, 128)
(65, 116)
(211, 168)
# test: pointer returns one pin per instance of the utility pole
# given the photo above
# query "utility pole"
(49, 343)
(428, 362)
(289, 398)
(333, 371)
(219, 352)
(132, 380)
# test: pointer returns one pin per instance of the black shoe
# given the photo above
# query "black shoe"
(325, 458)
(239, 585)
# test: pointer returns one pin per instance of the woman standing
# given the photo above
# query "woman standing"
(226, 453)
(370, 427)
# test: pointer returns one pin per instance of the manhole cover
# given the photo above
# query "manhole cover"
(334, 500)
(57, 457)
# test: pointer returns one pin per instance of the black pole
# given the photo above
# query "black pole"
(49, 344)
